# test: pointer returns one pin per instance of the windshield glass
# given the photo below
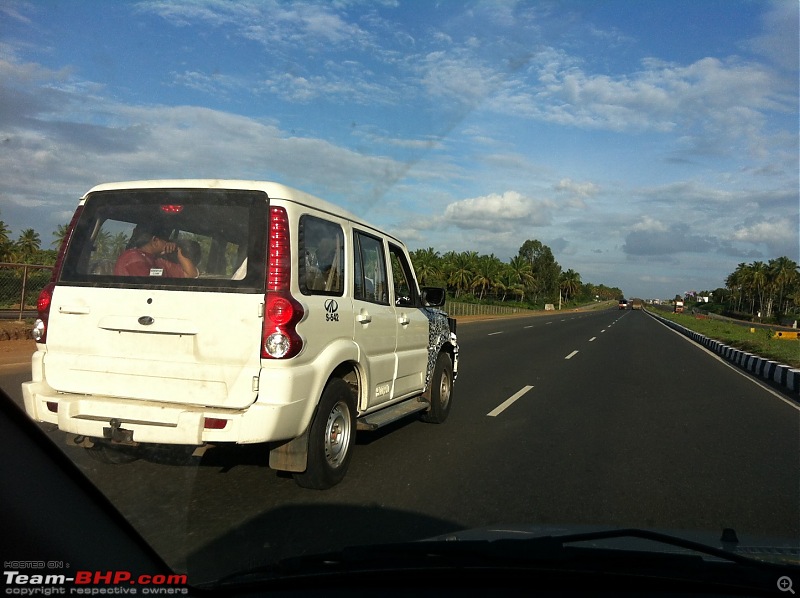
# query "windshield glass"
(251, 378)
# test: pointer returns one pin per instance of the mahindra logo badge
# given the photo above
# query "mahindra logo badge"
(146, 320)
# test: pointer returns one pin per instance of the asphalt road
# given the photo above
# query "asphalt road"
(576, 418)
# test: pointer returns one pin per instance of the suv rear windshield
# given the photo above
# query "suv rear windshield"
(131, 238)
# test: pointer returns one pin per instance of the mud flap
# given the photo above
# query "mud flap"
(290, 455)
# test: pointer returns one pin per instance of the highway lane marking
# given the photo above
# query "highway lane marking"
(508, 402)
(591, 339)
(571, 355)
(530, 326)
(493, 333)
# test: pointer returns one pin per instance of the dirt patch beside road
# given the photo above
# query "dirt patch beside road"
(15, 330)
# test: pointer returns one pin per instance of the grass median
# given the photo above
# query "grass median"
(759, 341)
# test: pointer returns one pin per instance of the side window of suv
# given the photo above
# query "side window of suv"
(321, 244)
(404, 292)
(369, 270)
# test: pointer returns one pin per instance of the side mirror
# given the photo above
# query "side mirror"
(433, 296)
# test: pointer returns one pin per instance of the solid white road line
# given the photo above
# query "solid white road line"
(508, 402)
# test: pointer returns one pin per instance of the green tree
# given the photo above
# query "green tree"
(427, 265)
(5, 242)
(28, 243)
(569, 283)
(59, 234)
(461, 270)
(487, 274)
(521, 274)
(544, 267)
(784, 275)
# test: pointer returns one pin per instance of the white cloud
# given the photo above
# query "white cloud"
(582, 189)
(646, 223)
(498, 212)
(334, 87)
(779, 41)
(714, 102)
(456, 76)
(302, 24)
(779, 235)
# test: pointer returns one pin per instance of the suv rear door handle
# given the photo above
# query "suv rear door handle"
(364, 318)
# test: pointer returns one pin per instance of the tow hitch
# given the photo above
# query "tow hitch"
(119, 435)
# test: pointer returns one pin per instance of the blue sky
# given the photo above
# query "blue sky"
(653, 145)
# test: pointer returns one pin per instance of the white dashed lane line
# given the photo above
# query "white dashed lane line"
(508, 402)
(571, 355)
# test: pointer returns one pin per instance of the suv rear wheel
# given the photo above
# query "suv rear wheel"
(331, 438)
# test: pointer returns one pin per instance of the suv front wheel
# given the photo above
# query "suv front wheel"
(331, 438)
(441, 390)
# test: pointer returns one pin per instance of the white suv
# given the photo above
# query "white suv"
(197, 312)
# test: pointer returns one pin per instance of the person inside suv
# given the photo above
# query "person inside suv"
(145, 257)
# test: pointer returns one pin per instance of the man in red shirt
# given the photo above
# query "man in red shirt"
(145, 258)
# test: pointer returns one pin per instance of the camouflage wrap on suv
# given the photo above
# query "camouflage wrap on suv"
(441, 333)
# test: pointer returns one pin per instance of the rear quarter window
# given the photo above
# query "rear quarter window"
(321, 256)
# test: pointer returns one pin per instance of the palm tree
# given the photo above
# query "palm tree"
(5, 241)
(462, 271)
(59, 235)
(28, 243)
(736, 283)
(784, 274)
(118, 243)
(759, 281)
(487, 274)
(426, 264)
(521, 273)
(569, 283)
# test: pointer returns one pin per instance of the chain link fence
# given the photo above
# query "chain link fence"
(456, 308)
(20, 285)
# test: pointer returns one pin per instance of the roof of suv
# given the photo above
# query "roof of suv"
(273, 191)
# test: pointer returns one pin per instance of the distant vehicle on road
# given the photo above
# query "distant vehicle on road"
(636, 304)
(623, 304)
(678, 307)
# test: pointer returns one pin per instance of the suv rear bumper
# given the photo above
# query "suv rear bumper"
(163, 423)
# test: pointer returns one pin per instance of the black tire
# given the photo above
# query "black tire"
(331, 438)
(440, 393)
(111, 454)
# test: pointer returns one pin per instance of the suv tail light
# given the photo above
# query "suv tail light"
(282, 312)
(46, 296)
